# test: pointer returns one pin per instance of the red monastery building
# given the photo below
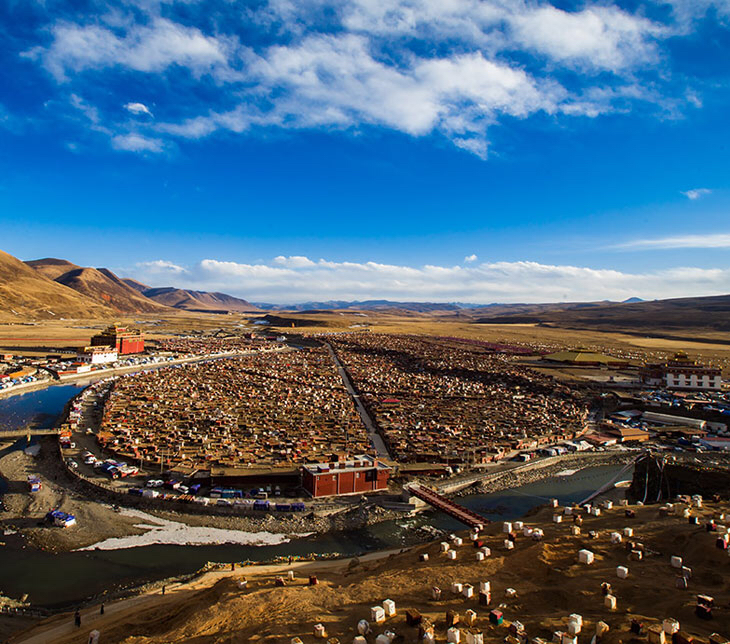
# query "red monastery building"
(356, 476)
(124, 340)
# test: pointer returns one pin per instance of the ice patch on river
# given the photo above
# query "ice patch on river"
(172, 533)
(567, 472)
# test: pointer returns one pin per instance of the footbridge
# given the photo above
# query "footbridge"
(447, 506)
(29, 431)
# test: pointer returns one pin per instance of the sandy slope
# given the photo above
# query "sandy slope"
(550, 582)
(26, 293)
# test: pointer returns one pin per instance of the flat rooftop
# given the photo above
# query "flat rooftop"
(356, 464)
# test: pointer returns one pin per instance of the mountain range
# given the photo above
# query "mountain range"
(708, 312)
(51, 287)
(200, 301)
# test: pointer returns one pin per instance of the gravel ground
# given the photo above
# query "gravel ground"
(25, 511)
(97, 520)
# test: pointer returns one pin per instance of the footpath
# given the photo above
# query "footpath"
(61, 626)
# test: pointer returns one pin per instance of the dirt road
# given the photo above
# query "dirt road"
(61, 628)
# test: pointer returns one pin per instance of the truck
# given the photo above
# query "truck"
(34, 482)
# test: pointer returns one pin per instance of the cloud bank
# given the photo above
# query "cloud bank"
(451, 68)
(716, 240)
(297, 279)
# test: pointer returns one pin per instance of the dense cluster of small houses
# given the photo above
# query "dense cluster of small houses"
(439, 399)
(434, 399)
(209, 345)
(281, 408)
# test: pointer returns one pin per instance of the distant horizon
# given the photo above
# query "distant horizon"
(157, 275)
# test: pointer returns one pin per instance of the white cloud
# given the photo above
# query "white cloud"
(137, 108)
(335, 81)
(714, 240)
(688, 11)
(136, 143)
(470, 258)
(481, 283)
(352, 63)
(696, 193)
(144, 47)
(601, 37)
(160, 266)
(294, 261)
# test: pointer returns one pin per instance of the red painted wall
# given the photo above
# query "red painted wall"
(325, 484)
(127, 345)
(345, 482)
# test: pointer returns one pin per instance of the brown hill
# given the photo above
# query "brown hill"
(137, 286)
(52, 267)
(198, 300)
(103, 286)
(26, 292)
(710, 313)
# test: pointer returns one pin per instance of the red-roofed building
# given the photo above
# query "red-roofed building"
(681, 372)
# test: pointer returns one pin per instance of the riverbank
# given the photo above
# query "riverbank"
(538, 583)
(98, 521)
(573, 462)
(57, 581)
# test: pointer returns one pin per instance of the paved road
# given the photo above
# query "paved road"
(375, 438)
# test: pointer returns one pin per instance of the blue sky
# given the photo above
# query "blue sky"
(458, 150)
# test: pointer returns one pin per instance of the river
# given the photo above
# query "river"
(62, 579)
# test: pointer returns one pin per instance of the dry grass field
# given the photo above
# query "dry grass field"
(636, 347)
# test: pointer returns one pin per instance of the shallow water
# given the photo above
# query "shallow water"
(39, 408)
(60, 579)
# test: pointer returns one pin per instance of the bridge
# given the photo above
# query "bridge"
(29, 431)
(447, 506)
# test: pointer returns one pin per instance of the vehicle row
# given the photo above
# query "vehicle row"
(243, 504)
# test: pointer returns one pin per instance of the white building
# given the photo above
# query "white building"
(682, 373)
(98, 355)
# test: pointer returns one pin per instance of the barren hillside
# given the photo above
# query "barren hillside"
(25, 292)
(103, 286)
(198, 300)
(52, 267)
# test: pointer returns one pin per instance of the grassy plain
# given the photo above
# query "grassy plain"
(634, 346)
